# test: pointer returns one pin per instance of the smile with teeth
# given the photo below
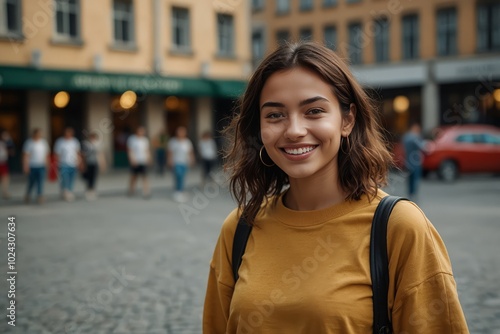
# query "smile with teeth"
(299, 151)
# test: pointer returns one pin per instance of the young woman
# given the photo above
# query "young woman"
(306, 167)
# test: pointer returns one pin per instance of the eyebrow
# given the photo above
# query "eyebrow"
(301, 104)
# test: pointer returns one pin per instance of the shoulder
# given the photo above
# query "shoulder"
(408, 220)
(229, 226)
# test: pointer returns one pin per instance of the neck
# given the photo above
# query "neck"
(314, 193)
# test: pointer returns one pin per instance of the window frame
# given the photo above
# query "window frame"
(488, 25)
(125, 16)
(310, 34)
(16, 33)
(359, 53)
(410, 39)
(183, 27)
(447, 32)
(66, 11)
(382, 40)
(331, 44)
(306, 5)
(282, 32)
(329, 3)
(224, 51)
(281, 9)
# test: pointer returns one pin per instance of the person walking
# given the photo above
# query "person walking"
(139, 157)
(160, 146)
(414, 147)
(208, 152)
(180, 157)
(36, 153)
(68, 157)
(6, 151)
(306, 168)
(95, 162)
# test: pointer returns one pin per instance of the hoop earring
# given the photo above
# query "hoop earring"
(262, 160)
(342, 144)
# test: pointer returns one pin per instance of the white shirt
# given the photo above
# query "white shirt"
(139, 148)
(67, 151)
(208, 149)
(37, 151)
(181, 150)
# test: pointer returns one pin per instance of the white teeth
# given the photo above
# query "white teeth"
(297, 151)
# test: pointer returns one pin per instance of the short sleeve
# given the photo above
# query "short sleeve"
(220, 280)
(422, 294)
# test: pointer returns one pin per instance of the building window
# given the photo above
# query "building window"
(488, 27)
(10, 18)
(180, 29)
(123, 17)
(410, 37)
(282, 37)
(381, 40)
(306, 5)
(355, 43)
(329, 3)
(330, 37)
(68, 19)
(282, 6)
(257, 5)
(225, 31)
(305, 34)
(447, 31)
(257, 46)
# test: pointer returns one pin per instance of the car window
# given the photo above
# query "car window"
(466, 138)
(491, 139)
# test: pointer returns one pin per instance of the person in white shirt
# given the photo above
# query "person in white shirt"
(35, 161)
(67, 150)
(208, 152)
(139, 157)
(180, 156)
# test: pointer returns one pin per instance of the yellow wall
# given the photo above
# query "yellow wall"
(97, 36)
(365, 12)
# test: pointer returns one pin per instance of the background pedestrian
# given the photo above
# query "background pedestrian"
(36, 153)
(208, 152)
(95, 162)
(139, 155)
(180, 157)
(6, 151)
(414, 146)
(68, 156)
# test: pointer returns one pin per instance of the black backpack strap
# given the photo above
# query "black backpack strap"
(239, 244)
(379, 264)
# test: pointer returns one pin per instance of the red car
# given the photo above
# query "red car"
(463, 149)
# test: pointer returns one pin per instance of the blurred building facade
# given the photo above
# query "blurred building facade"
(110, 66)
(435, 61)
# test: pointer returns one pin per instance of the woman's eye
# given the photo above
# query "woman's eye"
(274, 115)
(314, 111)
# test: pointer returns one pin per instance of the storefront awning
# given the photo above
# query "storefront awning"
(12, 77)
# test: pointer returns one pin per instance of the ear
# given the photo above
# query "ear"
(349, 120)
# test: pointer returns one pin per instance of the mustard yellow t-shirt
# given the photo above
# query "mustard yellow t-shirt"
(309, 272)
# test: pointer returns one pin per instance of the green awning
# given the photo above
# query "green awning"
(229, 88)
(13, 77)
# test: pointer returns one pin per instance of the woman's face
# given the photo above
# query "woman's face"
(301, 123)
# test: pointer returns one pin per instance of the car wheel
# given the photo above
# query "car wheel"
(448, 171)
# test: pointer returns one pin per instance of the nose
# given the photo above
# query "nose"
(295, 128)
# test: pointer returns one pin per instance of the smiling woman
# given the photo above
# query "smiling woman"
(306, 165)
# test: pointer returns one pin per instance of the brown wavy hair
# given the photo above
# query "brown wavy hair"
(363, 160)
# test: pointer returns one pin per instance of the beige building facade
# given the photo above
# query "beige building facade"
(436, 62)
(112, 65)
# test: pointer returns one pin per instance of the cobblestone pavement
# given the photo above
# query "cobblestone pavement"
(128, 265)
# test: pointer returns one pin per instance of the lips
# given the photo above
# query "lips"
(298, 150)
